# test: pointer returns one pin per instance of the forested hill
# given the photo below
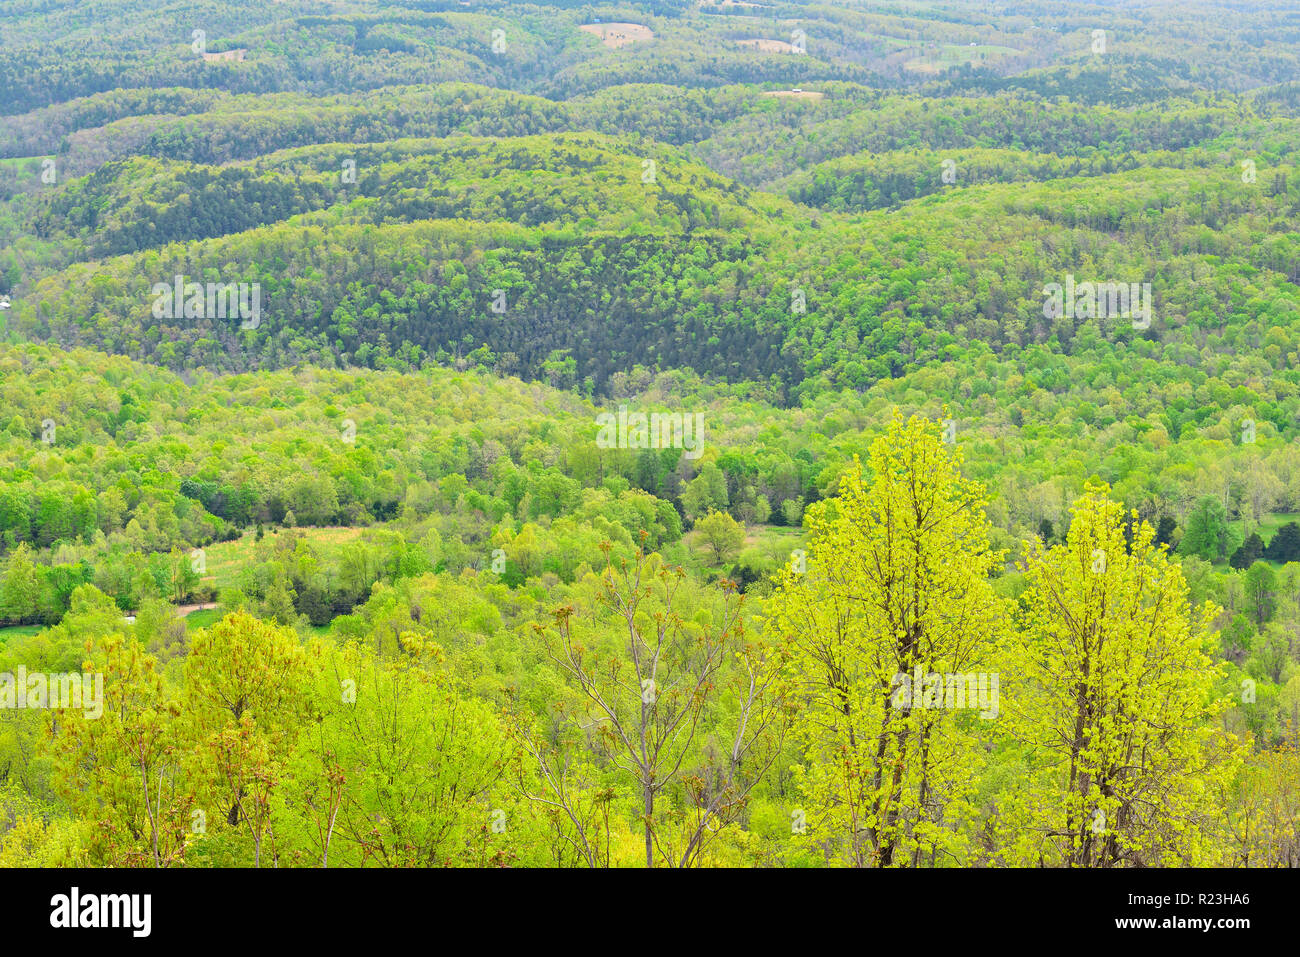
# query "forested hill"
(556, 203)
(612, 250)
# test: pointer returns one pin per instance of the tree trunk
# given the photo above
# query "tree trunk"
(649, 798)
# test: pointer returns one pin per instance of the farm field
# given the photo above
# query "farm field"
(618, 34)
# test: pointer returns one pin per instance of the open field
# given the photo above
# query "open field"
(14, 631)
(796, 94)
(618, 34)
(225, 559)
(769, 546)
(767, 46)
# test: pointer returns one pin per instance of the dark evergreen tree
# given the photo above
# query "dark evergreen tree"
(1165, 531)
(1251, 551)
(1285, 546)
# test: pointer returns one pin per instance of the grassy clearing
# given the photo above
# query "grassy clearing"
(1267, 526)
(15, 631)
(202, 618)
(618, 34)
(934, 57)
(796, 94)
(225, 559)
(773, 542)
(23, 162)
(207, 617)
(767, 46)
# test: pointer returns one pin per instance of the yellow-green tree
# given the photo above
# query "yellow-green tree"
(722, 533)
(664, 691)
(896, 579)
(1110, 692)
(122, 769)
(1265, 811)
(246, 698)
(401, 769)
